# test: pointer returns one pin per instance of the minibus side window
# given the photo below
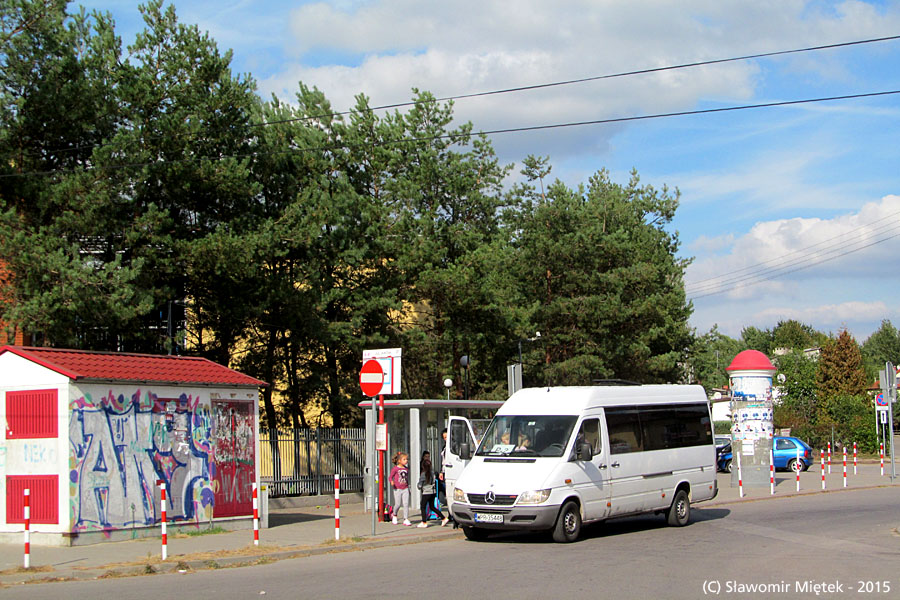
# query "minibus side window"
(624, 428)
(675, 426)
(590, 434)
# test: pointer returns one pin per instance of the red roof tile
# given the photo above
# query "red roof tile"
(86, 365)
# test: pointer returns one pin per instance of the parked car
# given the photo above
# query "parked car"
(785, 454)
(722, 442)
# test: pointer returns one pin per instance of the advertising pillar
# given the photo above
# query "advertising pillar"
(752, 416)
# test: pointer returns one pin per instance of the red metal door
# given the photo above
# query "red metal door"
(234, 459)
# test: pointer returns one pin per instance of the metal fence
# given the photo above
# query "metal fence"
(301, 462)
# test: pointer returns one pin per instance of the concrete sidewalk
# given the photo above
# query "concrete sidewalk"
(303, 531)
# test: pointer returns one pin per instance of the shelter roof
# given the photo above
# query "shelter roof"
(434, 403)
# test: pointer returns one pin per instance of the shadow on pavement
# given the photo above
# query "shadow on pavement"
(613, 527)
(289, 518)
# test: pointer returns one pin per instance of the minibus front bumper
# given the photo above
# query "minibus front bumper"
(514, 517)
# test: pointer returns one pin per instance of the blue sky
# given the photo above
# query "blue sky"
(813, 189)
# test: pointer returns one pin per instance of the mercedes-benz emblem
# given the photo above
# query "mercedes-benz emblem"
(489, 497)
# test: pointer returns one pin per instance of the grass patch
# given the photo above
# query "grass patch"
(199, 532)
(111, 575)
(212, 564)
(41, 569)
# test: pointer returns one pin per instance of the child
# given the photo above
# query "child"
(400, 483)
(429, 491)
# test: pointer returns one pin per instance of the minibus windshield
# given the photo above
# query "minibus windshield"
(527, 435)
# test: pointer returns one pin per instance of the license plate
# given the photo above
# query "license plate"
(488, 518)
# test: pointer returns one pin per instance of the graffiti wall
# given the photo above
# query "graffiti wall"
(122, 446)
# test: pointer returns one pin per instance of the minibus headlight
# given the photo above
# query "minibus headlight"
(534, 497)
(459, 495)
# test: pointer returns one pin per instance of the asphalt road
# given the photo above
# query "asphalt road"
(842, 545)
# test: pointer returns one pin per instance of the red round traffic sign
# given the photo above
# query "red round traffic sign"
(371, 378)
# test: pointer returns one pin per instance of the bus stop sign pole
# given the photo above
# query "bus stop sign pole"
(371, 380)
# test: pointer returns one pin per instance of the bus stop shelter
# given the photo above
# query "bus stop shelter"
(414, 426)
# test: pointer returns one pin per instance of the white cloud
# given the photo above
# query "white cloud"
(853, 245)
(831, 317)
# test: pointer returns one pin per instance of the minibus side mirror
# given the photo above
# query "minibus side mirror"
(465, 452)
(585, 452)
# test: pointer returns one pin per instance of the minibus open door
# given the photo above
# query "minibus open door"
(460, 437)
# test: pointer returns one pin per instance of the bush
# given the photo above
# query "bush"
(722, 427)
(848, 418)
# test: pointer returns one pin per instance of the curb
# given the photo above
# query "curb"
(791, 494)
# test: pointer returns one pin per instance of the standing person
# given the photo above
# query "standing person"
(428, 485)
(400, 483)
(441, 484)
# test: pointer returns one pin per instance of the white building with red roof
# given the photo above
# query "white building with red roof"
(95, 435)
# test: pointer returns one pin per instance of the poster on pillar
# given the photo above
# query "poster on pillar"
(389, 358)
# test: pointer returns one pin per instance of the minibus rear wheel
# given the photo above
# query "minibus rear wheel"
(568, 524)
(679, 513)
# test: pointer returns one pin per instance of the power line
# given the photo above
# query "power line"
(546, 85)
(782, 270)
(526, 88)
(466, 135)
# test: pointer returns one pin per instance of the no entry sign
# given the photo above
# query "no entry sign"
(371, 378)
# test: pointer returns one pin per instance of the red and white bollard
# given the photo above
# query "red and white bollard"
(771, 472)
(822, 463)
(255, 515)
(845, 466)
(799, 468)
(740, 478)
(829, 458)
(162, 504)
(337, 506)
(882, 458)
(854, 458)
(26, 513)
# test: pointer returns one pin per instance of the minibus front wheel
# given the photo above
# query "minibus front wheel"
(568, 524)
(474, 533)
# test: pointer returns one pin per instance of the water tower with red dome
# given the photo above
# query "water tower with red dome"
(752, 422)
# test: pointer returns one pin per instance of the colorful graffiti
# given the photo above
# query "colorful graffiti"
(121, 447)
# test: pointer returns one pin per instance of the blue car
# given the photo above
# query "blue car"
(785, 451)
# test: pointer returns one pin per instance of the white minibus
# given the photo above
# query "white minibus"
(554, 458)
